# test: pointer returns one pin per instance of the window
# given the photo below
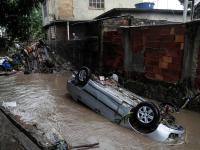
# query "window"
(96, 4)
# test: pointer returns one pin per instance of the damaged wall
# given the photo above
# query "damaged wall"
(157, 51)
(113, 43)
(57, 10)
(64, 10)
(163, 51)
(112, 51)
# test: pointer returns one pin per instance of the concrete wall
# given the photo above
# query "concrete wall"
(57, 10)
(83, 12)
(64, 9)
(79, 10)
(50, 11)
(160, 16)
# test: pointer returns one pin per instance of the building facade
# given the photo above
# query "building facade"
(81, 9)
(79, 29)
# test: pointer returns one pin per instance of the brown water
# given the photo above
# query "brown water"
(42, 99)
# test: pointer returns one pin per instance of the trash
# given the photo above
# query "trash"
(4, 64)
(102, 78)
(115, 77)
(9, 104)
(61, 144)
(8, 73)
(38, 58)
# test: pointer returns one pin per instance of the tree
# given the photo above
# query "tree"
(36, 28)
(15, 16)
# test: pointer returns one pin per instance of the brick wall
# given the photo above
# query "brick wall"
(113, 50)
(163, 50)
(197, 77)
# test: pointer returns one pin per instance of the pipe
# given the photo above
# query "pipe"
(185, 10)
(68, 36)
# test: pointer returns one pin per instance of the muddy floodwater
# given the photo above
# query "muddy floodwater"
(42, 100)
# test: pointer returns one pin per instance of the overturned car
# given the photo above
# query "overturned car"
(107, 98)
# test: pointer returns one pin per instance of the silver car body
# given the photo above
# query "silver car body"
(114, 102)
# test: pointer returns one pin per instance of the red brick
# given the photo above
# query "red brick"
(155, 38)
(157, 70)
(152, 45)
(165, 30)
(167, 59)
(179, 38)
(150, 75)
(151, 62)
(171, 78)
(151, 54)
(148, 68)
(177, 60)
(180, 29)
(163, 65)
(172, 31)
(167, 38)
(182, 46)
(159, 77)
(170, 45)
(174, 67)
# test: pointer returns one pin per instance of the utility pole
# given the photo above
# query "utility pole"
(185, 10)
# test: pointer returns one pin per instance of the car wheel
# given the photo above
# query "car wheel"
(145, 117)
(83, 75)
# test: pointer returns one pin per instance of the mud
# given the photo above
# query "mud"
(43, 101)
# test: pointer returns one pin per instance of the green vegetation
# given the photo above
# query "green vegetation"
(21, 18)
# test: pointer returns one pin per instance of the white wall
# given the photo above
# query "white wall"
(51, 11)
(159, 16)
(168, 4)
(83, 12)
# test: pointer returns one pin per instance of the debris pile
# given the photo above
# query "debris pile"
(38, 58)
(31, 59)
(7, 66)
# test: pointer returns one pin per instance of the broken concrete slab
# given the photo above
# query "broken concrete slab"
(29, 135)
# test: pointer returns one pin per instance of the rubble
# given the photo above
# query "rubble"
(37, 58)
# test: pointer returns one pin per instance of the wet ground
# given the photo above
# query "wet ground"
(43, 101)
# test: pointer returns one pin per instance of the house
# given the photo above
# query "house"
(81, 9)
(88, 20)
(60, 11)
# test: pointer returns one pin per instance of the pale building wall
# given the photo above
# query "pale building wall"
(79, 10)
(160, 16)
(83, 12)
(64, 9)
(50, 11)
(57, 10)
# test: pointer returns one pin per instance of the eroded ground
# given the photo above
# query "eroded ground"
(43, 101)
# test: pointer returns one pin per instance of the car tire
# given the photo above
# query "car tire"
(145, 117)
(83, 76)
